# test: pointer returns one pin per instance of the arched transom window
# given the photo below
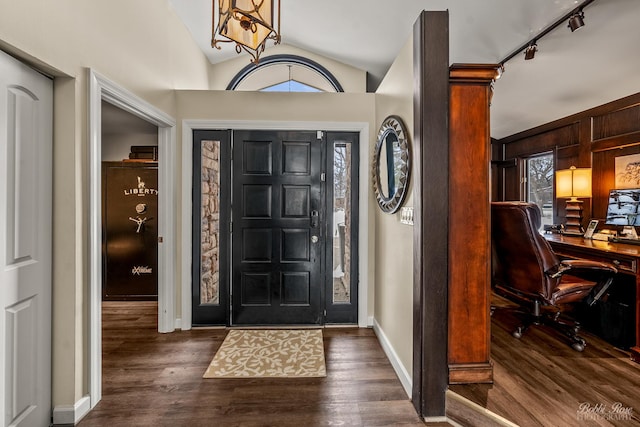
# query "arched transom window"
(285, 73)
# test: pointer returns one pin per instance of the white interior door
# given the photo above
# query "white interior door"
(26, 104)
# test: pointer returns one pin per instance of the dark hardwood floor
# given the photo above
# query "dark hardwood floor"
(152, 379)
(540, 381)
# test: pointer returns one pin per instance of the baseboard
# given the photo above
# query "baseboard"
(471, 373)
(436, 420)
(71, 414)
(462, 411)
(401, 371)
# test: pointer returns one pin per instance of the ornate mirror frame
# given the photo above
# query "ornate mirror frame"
(392, 131)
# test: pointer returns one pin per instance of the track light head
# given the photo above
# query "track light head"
(530, 51)
(576, 21)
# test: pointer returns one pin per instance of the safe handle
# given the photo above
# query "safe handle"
(314, 218)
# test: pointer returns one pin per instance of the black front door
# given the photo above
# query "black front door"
(277, 237)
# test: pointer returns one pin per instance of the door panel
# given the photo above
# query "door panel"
(277, 237)
(26, 105)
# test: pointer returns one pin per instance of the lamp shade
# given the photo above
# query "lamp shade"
(246, 22)
(573, 182)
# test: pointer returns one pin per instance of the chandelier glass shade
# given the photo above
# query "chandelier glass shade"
(247, 23)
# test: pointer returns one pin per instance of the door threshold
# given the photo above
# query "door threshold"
(342, 325)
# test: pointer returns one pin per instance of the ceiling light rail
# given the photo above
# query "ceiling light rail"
(575, 20)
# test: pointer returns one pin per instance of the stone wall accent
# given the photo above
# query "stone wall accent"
(210, 197)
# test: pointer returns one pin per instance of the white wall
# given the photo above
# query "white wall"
(394, 241)
(143, 47)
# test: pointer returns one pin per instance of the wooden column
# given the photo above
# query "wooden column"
(469, 341)
(430, 183)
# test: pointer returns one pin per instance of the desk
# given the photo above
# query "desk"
(626, 257)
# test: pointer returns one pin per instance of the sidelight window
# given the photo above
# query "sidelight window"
(342, 223)
(210, 220)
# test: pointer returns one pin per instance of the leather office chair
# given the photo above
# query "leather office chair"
(527, 271)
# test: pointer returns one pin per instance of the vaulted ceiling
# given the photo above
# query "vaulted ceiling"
(570, 73)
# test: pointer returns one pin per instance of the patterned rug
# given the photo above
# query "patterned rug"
(280, 353)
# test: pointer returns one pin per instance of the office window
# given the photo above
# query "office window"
(539, 184)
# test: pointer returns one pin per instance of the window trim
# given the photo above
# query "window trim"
(284, 59)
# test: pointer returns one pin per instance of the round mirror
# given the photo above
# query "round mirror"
(391, 165)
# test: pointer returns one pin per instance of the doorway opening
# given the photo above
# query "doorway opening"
(102, 89)
(129, 206)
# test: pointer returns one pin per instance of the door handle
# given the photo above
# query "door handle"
(314, 219)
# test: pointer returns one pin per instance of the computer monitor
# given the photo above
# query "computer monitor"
(622, 208)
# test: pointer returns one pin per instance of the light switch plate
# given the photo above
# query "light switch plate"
(406, 215)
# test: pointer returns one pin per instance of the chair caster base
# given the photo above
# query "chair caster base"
(518, 332)
(578, 346)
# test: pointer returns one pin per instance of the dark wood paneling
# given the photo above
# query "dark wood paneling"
(616, 142)
(587, 114)
(616, 123)
(592, 138)
(430, 196)
(510, 182)
(563, 136)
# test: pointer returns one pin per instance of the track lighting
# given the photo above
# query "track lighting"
(576, 20)
(575, 17)
(530, 51)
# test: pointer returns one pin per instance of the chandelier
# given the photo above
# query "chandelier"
(248, 23)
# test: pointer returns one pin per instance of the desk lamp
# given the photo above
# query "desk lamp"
(573, 183)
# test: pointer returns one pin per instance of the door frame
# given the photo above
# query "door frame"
(103, 89)
(188, 126)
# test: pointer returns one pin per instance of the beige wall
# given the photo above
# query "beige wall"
(141, 46)
(352, 79)
(394, 241)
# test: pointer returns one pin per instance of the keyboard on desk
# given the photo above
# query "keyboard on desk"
(626, 241)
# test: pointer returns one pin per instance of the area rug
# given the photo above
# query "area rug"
(268, 353)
